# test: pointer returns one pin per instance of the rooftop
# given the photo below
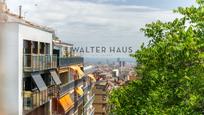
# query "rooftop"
(60, 43)
(7, 16)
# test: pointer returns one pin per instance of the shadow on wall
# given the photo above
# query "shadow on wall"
(2, 110)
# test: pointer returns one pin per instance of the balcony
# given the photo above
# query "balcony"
(66, 88)
(87, 88)
(89, 102)
(70, 86)
(89, 111)
(79, 82)
(101, 99)
(79, 101)
(34, 62)
(67, 61)
(52, 91)
(92, 111)
(34, 99)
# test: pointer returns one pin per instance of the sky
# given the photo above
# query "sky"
(109, 23)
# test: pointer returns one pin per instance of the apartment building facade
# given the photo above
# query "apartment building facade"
(27, 61)
(70, 71)
(40, 76)
(101, 98)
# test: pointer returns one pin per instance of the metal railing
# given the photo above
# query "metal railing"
(52, 91)
(79, 82)
(79, 101)
(70, 61)
(87, 88)
(70, 86)
(34, 99)
(35, 62)
(66, 88)
(92, 112)
(90, 101)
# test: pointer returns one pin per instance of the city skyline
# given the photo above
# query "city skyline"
(107, 23)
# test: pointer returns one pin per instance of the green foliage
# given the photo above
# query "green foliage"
(171, 67)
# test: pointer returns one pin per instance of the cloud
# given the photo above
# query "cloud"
(87, 23)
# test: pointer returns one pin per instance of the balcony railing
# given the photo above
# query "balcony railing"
(67, 61)
(34, 62)
(90, 101)
(79, 82)
(66, 88)
(92, 112)
(89, 111)
(79, 101)
(87, 88)
(34, 99)
(52, 91)
(70, 86)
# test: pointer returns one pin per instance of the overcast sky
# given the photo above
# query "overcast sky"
(99, 22)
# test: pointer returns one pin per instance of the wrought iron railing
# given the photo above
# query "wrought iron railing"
(35, 62)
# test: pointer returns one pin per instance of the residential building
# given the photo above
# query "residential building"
(77, 82)
(40, 76)
(89, 96)
(101, 90)
(27, 61)
(71, 74)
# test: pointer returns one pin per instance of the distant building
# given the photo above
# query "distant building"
(101, 90)
(115, 73)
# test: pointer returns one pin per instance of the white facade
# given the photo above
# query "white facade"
(11, 62)
(116, 72)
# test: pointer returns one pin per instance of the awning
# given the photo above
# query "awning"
(79, 71)
(92, 77)
(66, 102)
(79, 91)
(55, 77)
(39, 81)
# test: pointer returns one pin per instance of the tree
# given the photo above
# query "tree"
(171, 67)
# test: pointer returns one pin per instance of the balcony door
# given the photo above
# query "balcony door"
(27, 50)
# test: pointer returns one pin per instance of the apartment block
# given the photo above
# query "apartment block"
(71, 74)
(41, 76)
(101, 98)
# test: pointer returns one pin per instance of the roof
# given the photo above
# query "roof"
(60, 43)
(101, 82)
(7, 16)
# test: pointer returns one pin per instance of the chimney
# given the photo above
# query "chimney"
(20, 11)
(3, 6)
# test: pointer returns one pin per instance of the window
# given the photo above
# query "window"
(42, 48)
(70, 76)
(27, 47)
(47, 48)
(29, 84)
(47, 79)
(35, 47)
